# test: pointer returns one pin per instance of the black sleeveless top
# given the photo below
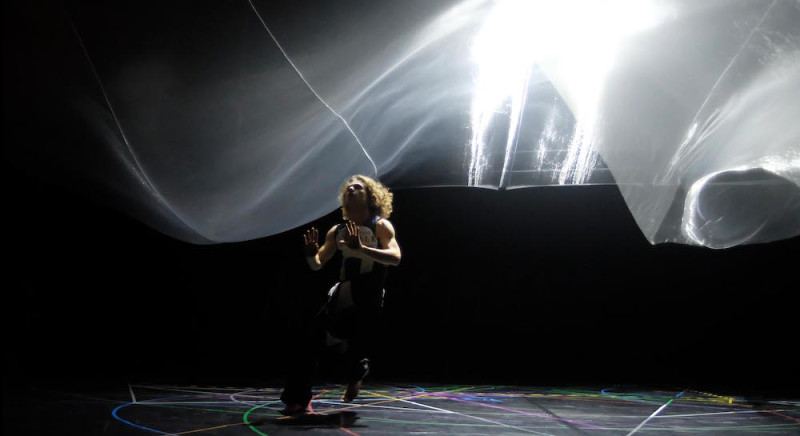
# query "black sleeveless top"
(365, 275)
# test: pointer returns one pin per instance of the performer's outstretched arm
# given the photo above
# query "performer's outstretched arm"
(389, 255)
(316, 256)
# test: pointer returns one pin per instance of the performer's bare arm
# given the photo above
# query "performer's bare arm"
(316, 256)
(389, 255)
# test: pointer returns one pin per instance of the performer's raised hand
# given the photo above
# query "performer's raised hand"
(352, 239)
(311, 242)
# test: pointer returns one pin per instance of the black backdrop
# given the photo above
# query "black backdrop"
(545, 286)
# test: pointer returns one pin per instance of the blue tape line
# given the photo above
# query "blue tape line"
(116, 416)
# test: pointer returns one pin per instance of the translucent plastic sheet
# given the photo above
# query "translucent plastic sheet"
(228, 121)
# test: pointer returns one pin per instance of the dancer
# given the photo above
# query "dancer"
(346, 324)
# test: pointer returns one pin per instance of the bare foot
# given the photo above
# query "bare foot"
(294, 409)
(351, 392)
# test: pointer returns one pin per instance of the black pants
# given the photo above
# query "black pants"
(356, 326)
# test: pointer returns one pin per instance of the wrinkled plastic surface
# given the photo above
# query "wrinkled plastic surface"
(228, 121)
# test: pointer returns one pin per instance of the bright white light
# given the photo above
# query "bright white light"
(501, 52)
(573, 40)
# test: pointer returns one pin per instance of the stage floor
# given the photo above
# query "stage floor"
(382, 409)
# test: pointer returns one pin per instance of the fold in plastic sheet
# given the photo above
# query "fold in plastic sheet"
(228, 121)
(699, 124)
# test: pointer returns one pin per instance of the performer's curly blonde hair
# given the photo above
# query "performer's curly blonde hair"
(380, 199)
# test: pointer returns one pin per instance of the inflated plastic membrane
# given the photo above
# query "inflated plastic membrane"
(227, 121)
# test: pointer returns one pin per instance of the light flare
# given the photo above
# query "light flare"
(574, 42)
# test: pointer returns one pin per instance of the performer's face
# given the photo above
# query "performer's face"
(356, 191)
(355, 200)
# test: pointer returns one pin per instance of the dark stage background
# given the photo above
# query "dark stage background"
(544, 286)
